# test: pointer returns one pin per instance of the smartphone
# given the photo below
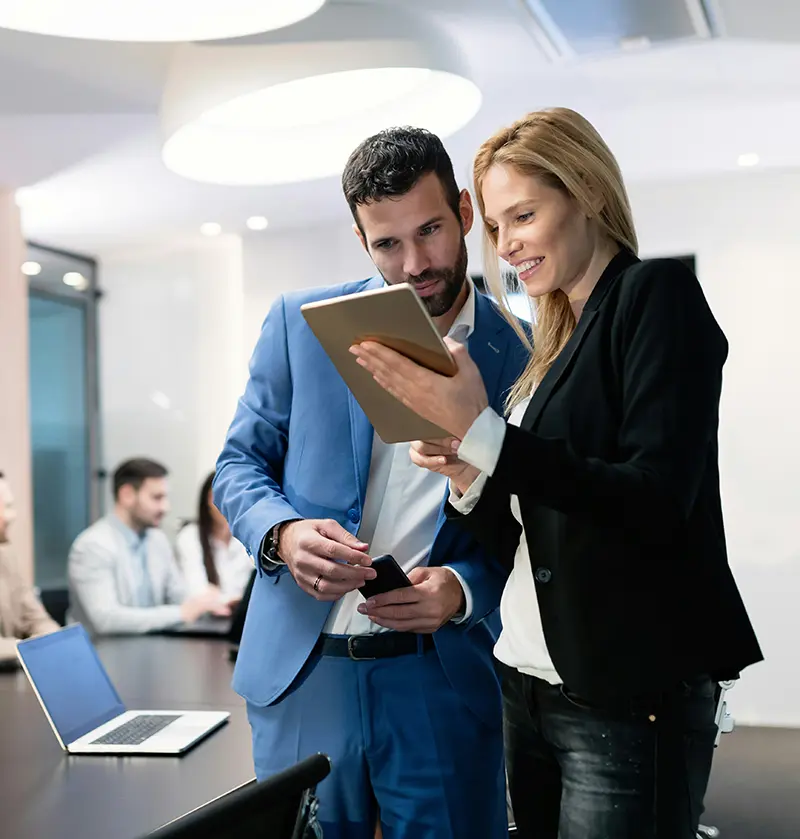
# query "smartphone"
(390, 576)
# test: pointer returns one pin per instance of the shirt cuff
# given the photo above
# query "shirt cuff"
(483, 442)
(462, 617)
(465, 503)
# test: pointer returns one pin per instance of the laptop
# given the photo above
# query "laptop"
(85, 710)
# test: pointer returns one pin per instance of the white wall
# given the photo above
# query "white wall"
(278, 262)
(172, 363)
(745, 235)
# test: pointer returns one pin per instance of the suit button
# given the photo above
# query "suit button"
(543, 575)
(354, 516)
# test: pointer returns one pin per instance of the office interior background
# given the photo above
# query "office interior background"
(135, 270)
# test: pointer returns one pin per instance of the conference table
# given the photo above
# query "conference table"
(47, 794)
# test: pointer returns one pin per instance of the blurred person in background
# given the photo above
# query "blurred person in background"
(123, 577)
(208, 553)
(21, 613)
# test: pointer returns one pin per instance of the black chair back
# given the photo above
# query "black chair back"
(281, 807)
(56, 601)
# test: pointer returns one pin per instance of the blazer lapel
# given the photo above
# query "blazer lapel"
(361, 430)
(361, 435)
(488, 346)
(545, 390)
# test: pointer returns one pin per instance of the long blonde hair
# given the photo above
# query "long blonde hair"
(562, 149)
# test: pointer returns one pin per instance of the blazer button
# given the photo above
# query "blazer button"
(543, 575)
(354, 516)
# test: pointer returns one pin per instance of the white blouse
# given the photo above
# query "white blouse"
(233, 564)
(521, 644)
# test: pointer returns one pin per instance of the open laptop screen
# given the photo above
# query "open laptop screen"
(71, 682)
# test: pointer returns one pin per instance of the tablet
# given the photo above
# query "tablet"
(396, 317)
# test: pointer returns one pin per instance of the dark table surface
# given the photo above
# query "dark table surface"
(46, 794)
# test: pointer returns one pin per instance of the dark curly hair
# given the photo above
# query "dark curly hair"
(391, 163)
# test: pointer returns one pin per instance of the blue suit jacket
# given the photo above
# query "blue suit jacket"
(299, 446)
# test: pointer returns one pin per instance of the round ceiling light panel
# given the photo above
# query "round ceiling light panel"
(282, 112)
(153, 20)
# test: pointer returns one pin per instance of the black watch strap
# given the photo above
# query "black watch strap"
(270, 545)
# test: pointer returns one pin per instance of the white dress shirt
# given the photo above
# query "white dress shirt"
(233, 564)
(401, 509)
(521, 643)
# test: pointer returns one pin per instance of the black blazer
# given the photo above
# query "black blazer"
(615, 466)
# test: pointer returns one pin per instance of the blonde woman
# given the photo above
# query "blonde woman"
(599, 491)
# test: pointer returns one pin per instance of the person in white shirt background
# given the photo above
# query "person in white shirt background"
(208, 554)
(123, 576)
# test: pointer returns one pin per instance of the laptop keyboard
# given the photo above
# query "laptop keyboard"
(136, 731)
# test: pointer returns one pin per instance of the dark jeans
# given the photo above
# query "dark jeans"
(635, 771)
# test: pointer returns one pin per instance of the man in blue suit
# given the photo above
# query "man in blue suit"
(403, 698)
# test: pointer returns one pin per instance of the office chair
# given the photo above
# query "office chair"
(725, 725)
(56, 602)
(282, 807)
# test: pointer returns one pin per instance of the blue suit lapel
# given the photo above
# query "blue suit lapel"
(361, 431)
(361, 435)
(488, 346)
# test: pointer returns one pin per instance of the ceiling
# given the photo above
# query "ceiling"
(79, 121)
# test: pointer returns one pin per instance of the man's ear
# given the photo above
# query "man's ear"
(357, 231)
(466, 211)
(126, 495)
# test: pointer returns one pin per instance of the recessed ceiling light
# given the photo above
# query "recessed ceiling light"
(257, 223)
(749, 159)
(295, 111)
(153, 20)
(211, 228)
(31, 269)
(74, 279)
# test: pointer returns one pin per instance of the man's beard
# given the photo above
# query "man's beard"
(454, 278)
(141, 522)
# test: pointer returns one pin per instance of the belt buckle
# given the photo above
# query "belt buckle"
(353, 655)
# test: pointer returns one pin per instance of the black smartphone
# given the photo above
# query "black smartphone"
(390, 576)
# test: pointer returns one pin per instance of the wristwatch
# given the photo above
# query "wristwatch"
(270, 546)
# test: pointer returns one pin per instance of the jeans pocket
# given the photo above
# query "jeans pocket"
(577, 701)
(700, 687)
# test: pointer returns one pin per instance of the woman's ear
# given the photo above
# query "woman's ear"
(595, 198)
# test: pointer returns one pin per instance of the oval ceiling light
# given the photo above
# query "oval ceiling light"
(289, 110)
(31, 269)
(153, 20)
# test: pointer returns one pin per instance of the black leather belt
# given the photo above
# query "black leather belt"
(373, 646)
